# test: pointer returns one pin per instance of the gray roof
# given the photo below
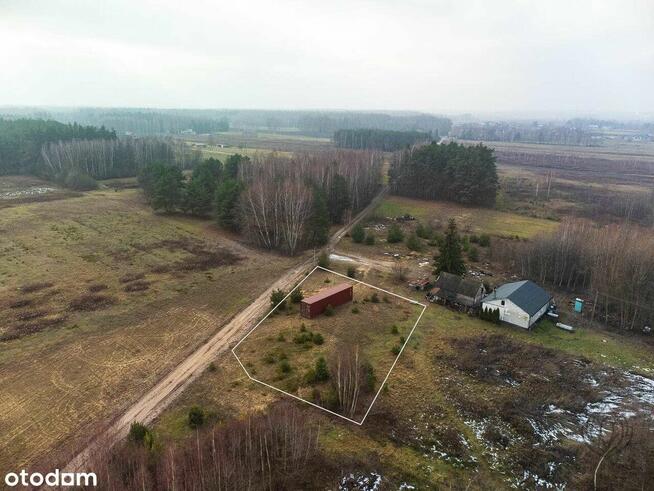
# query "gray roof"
(454, 284)
(525, 294)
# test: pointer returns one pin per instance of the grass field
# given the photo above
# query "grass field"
(474, 220)
(283, 350)
(440, 421)
(99, 297)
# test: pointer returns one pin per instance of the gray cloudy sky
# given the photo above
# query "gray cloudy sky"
(443, 56)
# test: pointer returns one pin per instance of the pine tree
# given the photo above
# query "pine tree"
(318, 226)
(226, 204)
(358, 234)
(339, 199)
(201, 190)
(168, 189)
(450, 259)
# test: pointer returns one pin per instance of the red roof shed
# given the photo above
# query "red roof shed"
(334, 296)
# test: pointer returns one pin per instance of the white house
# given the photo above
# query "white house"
(521, 303)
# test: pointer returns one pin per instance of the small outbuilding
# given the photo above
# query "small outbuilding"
(453, 289)
(521, 303)
(316, 304)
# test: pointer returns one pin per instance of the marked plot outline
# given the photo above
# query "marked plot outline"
(381, 386)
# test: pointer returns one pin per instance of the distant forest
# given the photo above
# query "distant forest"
(157, 122)
(558, 134)
(451, 172)
(21, 141)
(145, 122)
(384, 140)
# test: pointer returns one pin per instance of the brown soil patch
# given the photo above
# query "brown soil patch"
(90, 302)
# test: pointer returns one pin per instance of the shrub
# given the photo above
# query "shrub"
(484, 240)
(318, 339)
(394, 329)
(473, 254)
(277, 300)
(355, 310)
(269, 358)
(395, 234)
(370, 239)
(303, 328)
(80, 182)
(386, 299)
(321, 370)
(424, 232)
(284, 366)
(323, 260)
(370, 378)
(402, 340)
(139, 434)
(195, 417)
(396, 349)
(297, 296)
(374, 298)
(358, 234)
(413, 243)
(329, 310)
(281, 338)
(351, 271)
(212, 367)
(302, 338)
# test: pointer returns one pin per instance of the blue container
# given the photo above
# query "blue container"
(579, 305)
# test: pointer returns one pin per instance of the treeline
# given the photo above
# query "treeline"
(104, 159)
(315, 123)
(270, 450)
(149, 122)
(616, 261)
(21, 141)
(384, 140)
(523, 132)
(327, 123)
(275, 202)
(452, 172)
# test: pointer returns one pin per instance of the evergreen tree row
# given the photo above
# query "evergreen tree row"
(374, 139)
(451, 172)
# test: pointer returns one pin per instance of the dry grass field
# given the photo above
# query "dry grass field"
(469, 219)
(283, 350)
(99, 297)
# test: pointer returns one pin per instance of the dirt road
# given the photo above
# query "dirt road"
(172, 385)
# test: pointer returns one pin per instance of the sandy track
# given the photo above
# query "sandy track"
(172, 385)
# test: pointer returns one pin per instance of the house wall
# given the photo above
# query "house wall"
(509, 312)
(538, 315)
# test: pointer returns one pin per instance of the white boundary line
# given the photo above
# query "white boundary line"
(406, 341)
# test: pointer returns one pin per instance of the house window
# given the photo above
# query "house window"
(502, 302)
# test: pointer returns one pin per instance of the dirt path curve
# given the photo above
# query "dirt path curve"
(148, 407)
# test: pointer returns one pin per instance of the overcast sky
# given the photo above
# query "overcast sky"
(543, 56)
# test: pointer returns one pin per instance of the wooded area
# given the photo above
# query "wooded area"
(125, 157)
(384, 140)
(263, 451)
(451, 172)
(21, 141)
(276, 202)
(616, 261)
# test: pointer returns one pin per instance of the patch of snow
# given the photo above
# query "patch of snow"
(338, 257)
(361, 482)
